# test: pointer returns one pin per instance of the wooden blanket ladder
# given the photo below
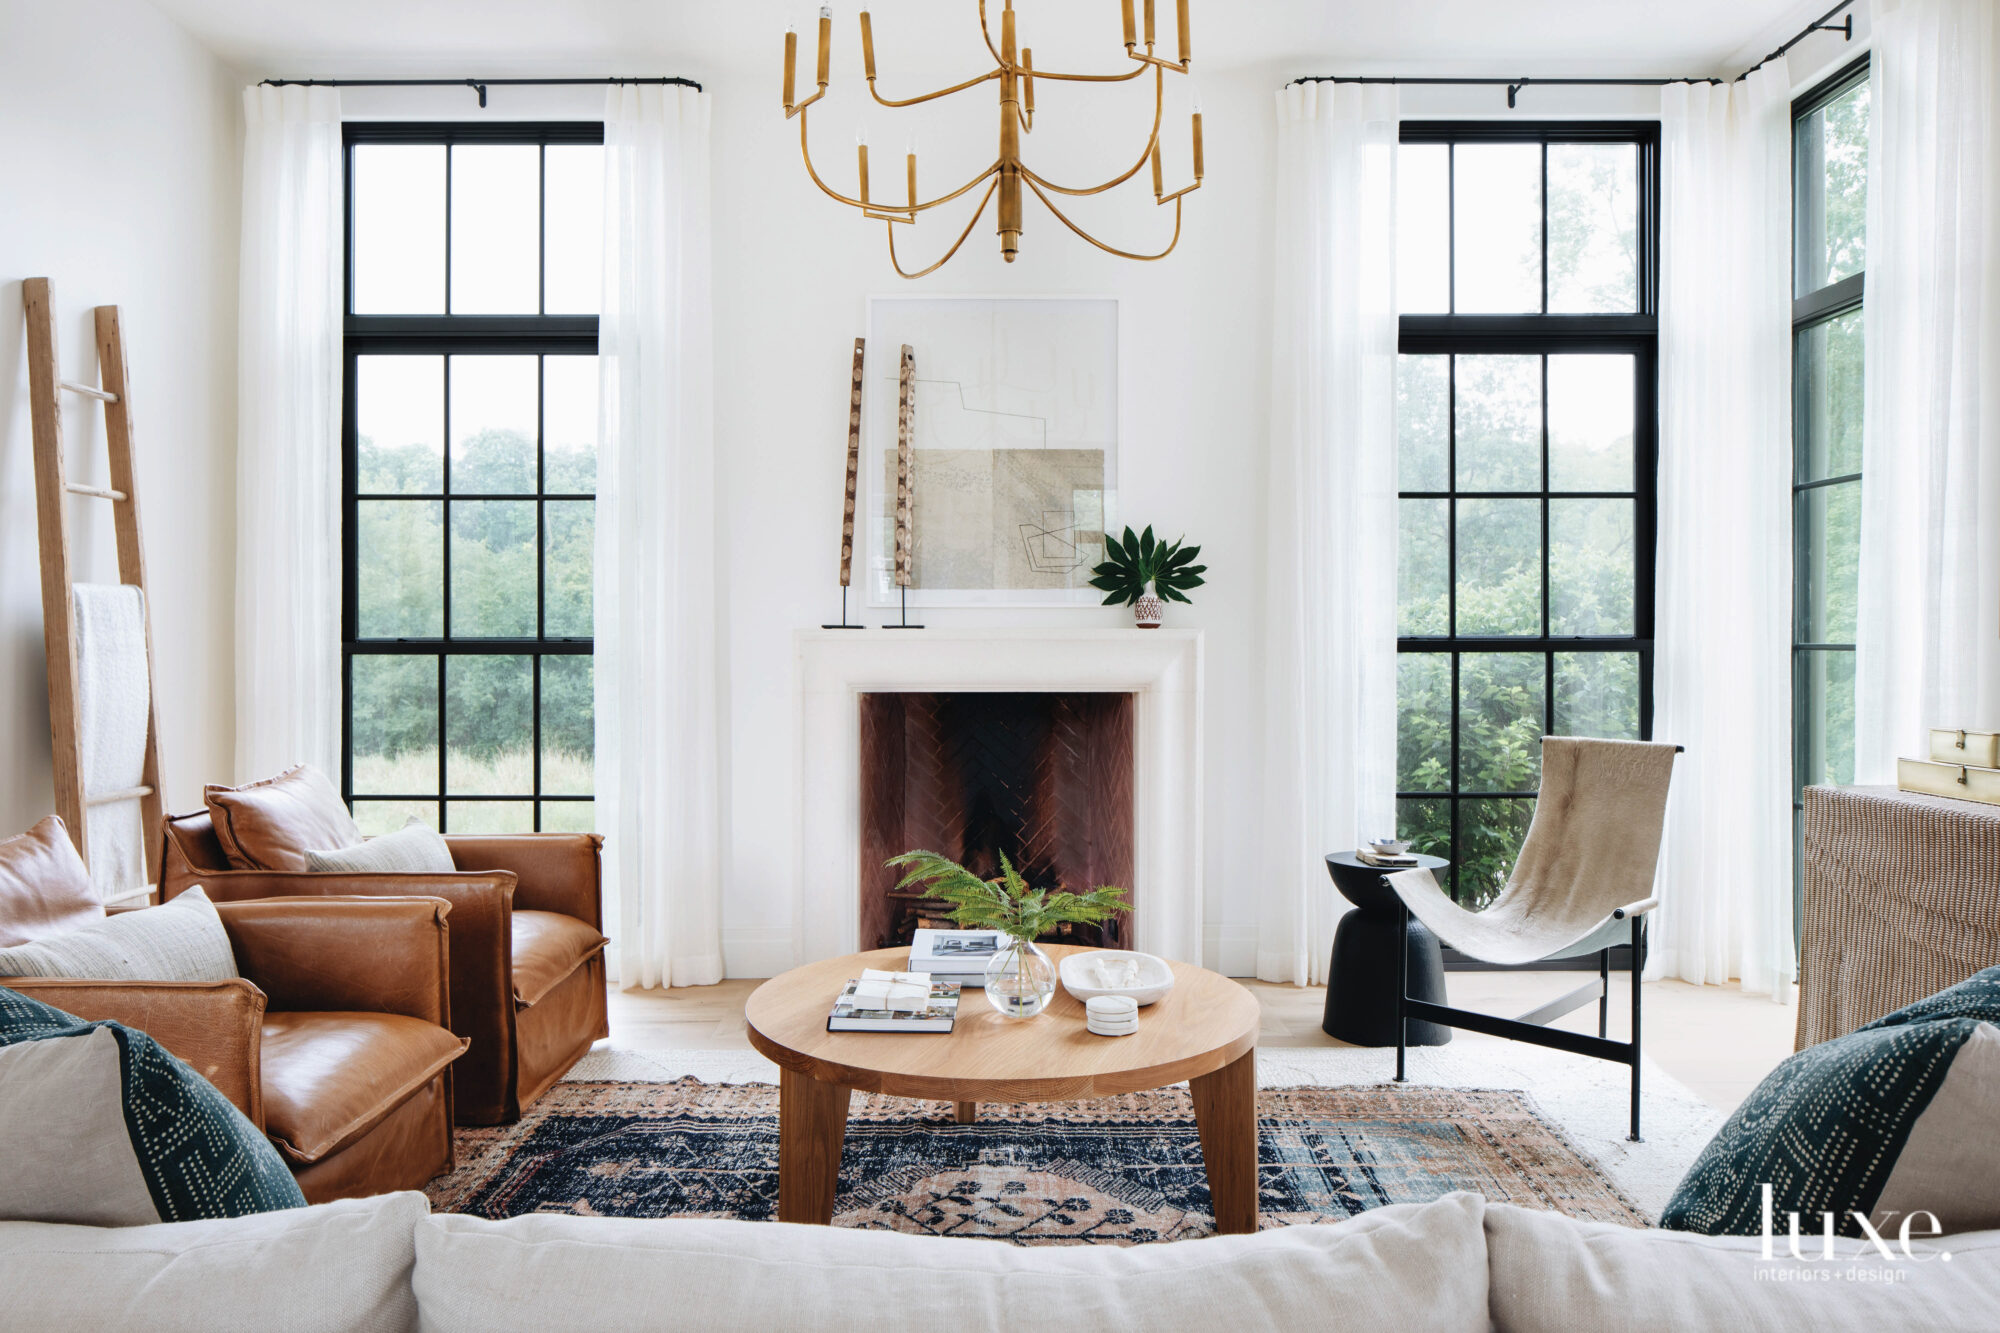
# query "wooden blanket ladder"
(52, 491)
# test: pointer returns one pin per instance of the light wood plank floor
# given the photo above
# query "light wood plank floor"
(1717, 1040)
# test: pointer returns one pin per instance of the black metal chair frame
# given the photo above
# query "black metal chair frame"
(1532, 1027)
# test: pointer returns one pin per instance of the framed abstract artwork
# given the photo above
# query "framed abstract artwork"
(1010, 452)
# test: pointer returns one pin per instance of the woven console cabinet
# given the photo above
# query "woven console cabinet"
(1902, 899)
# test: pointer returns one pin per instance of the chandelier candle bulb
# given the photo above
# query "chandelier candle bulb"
(910, 160)
(861, 155)
(1131, 32)
(791, 64)
(1197, 144)
(825, 43)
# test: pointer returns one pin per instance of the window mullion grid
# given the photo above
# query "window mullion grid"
(444, 535)
(541, 564)
(1451, 573)
(1548, 537)
(1545, 258)
(448, 338)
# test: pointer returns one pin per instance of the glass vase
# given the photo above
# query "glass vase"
(1020, 978)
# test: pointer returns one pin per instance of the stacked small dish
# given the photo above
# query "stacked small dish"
(1111, 1015)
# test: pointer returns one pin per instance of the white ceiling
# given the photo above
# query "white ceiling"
(384, 38)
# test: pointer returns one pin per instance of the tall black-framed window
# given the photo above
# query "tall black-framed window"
(1527, 272)
(1830, 259)
(469, 474)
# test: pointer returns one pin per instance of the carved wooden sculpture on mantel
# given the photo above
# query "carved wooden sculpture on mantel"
(853, 482)
(906, 425)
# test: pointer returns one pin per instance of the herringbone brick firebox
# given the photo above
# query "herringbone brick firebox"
(1044, 777)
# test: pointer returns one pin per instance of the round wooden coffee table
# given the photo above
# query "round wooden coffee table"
(1204, 1031)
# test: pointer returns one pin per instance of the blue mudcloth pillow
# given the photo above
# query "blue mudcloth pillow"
(1892, 1118)
(108, 1128)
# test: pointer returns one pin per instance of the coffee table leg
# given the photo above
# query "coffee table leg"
(812, 1125)
(965, 1113)
(1225, 1111)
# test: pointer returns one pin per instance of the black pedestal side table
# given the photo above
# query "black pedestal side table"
(1361, 987)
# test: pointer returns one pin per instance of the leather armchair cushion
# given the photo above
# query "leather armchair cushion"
(43, 885)
(329, 1078)
(548, 946)
(271, 825)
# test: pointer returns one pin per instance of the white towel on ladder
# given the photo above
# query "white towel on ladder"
(114, 705)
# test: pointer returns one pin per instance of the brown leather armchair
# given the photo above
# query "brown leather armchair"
(346, 1067)
(527, 948)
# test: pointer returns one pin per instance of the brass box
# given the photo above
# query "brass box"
(1979, 749)
(1955, 780)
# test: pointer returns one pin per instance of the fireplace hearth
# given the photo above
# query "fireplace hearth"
(1045, 777)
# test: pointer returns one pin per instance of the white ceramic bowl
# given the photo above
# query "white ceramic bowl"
(1152, 983)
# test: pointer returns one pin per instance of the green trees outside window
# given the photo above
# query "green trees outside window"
(1525, 409)
(471, 474)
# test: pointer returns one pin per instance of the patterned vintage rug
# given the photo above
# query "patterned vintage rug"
(1121, 1170)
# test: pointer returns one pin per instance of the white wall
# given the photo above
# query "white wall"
(793, 272)
(118, 146)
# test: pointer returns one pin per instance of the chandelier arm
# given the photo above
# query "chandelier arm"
(1133, 73)
(1159, 99)
(882, 206)
(993, 170)
(977, 213)
(931, 97)
(987, 34)
(825, 189)
(1110, 250)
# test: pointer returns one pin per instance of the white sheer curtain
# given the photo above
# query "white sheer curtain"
(1330, 614)
(288, 434)
(656, 634)
(1927, 641)
(1722, 662)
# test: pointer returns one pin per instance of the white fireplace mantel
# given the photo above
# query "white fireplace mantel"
(1161, 668)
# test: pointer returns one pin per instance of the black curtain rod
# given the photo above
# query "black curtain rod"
(477, 85)
(1514, 85)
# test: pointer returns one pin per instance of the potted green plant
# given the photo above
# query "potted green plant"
(1020, 978)
(1146, 574)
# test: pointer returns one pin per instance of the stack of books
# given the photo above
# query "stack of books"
(894, 1002)
(1963, 764)
(1368, 856)
(955, 955)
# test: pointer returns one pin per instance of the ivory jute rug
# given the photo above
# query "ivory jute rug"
(1120, 1170)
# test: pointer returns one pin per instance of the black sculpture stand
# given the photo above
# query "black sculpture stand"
(843, 613)
(1361, 986)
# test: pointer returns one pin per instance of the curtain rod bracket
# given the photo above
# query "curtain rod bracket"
(479, 88)
(1845, 28)
(1513, 89)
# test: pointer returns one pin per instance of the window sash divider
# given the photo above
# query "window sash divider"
(448, 336)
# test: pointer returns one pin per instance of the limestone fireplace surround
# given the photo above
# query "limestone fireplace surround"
(1161, 669)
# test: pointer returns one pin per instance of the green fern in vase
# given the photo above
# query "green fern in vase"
(1006, 904)
(1132, 562)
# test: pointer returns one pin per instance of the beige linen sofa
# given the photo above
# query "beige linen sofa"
(385, 1265)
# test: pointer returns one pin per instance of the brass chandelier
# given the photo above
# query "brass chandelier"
(1016, 74)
